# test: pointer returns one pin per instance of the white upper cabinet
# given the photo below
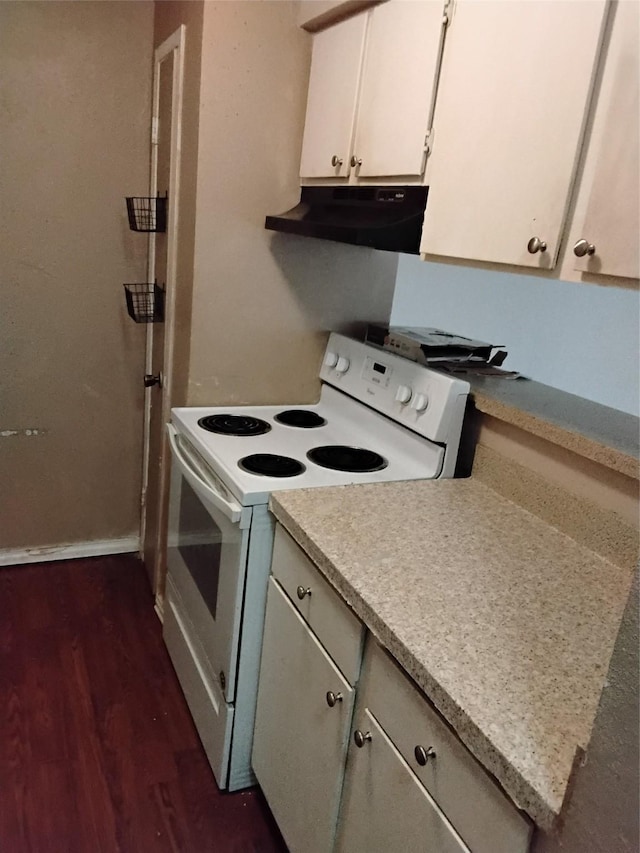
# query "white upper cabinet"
(606, 236)
(371, 92)
(331, 100)
(398, 87)
(514, 92)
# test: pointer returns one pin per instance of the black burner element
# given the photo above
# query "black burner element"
(342, 458)
(300, 418)
(227, 424)
(271, 465)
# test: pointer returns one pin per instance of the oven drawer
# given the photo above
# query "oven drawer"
(480, 812)
(337, 628)
(212, 716)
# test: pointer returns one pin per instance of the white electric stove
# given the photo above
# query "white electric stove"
(380, 418)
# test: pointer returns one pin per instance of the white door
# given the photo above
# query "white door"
(513, 94)
(612, 221)
(165, 178)
(398, 87)
(300, 741)
(331, 99)
(384, 806)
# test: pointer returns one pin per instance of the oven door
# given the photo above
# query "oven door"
(207, 549)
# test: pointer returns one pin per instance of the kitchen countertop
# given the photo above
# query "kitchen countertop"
(597, 432)
(506, 623)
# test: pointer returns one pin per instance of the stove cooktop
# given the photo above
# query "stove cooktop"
(336, 441)
(379, 418)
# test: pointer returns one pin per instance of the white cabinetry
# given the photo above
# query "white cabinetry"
(305, 702)
(606, 235)
(371, 92)
(514, 91)
(445, 788)
(331, 100)
(385, 807)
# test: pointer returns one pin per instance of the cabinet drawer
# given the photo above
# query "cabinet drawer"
(212, 716)
(485, 818)
(337, 628)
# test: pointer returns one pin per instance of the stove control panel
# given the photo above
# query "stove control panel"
(424, 400)
(376, 372)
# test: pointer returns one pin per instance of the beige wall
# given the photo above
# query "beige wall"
(75, 84)
(262, 302)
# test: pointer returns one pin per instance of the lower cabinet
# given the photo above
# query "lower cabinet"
(384, 806)
(303, 722)
(409, 774)
(389, 777)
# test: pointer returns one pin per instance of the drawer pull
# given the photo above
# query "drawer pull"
(360, 738)
(302, 591)
(332, 698)
(423, 755)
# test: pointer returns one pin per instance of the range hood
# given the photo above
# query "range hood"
(387, 218)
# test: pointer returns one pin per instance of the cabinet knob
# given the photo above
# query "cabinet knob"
(423, 755)
(336, 161)
(356, 161)
(333, 698)
(360, 738)
(535, 244)
(303, 591)
(583, 247)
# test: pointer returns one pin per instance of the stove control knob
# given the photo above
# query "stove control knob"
(342, 364)
(331, 359)
(420, 402)
(403, 394)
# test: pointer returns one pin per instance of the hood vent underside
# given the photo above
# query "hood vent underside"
(388, 218)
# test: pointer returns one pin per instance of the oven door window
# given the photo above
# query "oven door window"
(200, 545)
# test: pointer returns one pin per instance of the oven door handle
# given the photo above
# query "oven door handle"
(231, 509)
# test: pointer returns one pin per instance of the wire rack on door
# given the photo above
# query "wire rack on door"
(145, 302)
(147, 213)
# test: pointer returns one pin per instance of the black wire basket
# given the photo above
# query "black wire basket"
(147, 213)
(145, 302)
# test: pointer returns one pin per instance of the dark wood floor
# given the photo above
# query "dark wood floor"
(97, 748)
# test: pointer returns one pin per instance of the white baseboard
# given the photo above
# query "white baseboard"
(97, 548)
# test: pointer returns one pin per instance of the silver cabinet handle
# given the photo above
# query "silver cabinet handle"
(535, 244)
(302, 591)
(423, 755)
(356, 161)
(333, 698)
(583, 247)
(360, 738)
(336, 161)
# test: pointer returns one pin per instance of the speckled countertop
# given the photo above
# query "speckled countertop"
(597, 432)
(506, 623)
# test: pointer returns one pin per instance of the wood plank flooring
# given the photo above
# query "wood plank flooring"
(98, 751)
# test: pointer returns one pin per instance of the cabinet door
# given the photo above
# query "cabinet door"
(612, 222)
(384, 806)
(514, 90)
(300, 742)
(331, 100)
(398, 86)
